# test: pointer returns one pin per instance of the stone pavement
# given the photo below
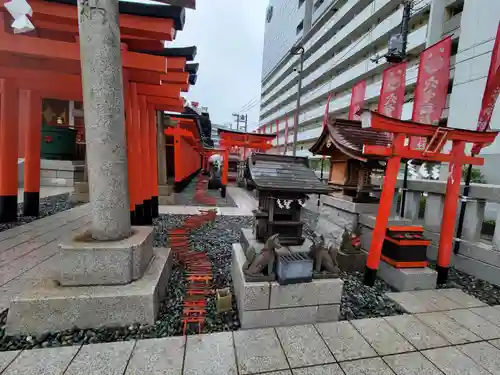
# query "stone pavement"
(454, 342)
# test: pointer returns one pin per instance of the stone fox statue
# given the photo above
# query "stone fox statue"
(325, 258)
(256, 264)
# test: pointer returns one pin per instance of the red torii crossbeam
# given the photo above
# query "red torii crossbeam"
(436, 137)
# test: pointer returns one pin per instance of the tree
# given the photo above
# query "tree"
(476, 175)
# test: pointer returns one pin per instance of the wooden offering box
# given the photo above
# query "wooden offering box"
(405, 247)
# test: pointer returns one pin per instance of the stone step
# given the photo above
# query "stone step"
(82, 187)
(165, 190)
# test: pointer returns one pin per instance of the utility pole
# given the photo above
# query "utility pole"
(242, 118)
(404, 37)
(237, 115)
(297, 50)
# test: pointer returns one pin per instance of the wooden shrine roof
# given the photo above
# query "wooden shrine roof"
(284, 173)
(348, 137)
(192, 68)
(177, 14)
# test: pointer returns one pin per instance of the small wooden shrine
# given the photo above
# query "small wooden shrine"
(350, 170)
(283, 183)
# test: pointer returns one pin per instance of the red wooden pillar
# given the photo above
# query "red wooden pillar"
(9, 111)
(138, 175)
(177, 156)
(384, 211)
(152, 113)
(31, 117)
(145, 160)
(131, 152)
(450, 211)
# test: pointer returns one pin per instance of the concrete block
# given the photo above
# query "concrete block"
(165, 190)
(411, 364)
(64, 165)
(460, 297)
(80, 197)
(489, 313)
(447, 328)
(345, 203)
(303, 346)
(278, 317)
(211, 354)
(101, 358)
(247, 239)
(82, 187)
(451, 360)
(436, 300)
(52, 361)
(417, 333)
(49, 307)
(474, 323)
(484, 354)
(328, 313)
(331, 369)
(411, 303)
(351, 262)
(88, 262)
(70, 175)
(382, 337)
(317, 292)
(48, 173)
(369, 366)
(149, 356)
(344, 341)
(249, 296)
(258, 351)
(341, 218)
(404, 279)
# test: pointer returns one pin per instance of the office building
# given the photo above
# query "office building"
(342, 39)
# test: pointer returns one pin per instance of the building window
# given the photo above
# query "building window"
(301, 2)
(317, 4)
(300, 26)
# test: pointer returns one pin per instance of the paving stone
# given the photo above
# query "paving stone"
(495, 343)
(370, 366)
(411, 364)
(448, 328)
(452, 361)
(51, 361)
(99, 359)
(475, 323)
(283, 372)
(416, 332)
(211, 354)
(157, 356)
(483, 353)
(303, 346)
(344, 341)
(460, 297)
(6, 358)
(332, 369)
(409, 302)
(489, 313)
(259, 350)
(382, 337)
(436, 300)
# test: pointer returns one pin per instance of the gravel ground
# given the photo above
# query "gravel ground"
(48, 206)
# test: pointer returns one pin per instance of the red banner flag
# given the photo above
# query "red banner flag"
(392, 91)
(286, 135)
(432, 87)
(491, 91)
(357, 100)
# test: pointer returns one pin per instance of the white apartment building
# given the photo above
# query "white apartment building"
(341, 38)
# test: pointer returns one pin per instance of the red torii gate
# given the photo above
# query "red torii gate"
(436, 137)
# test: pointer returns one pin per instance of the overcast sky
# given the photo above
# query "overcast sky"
(229, 35)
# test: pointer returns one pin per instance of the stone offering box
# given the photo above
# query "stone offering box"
(269, 304)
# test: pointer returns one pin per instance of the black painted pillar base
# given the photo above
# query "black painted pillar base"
(370, 276)
(8, 208)
(442, 276)
(31, 205)
(133, 219)
(154, 207)
(148, 217)
(139, 214)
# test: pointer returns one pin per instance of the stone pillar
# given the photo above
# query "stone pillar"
(496, 235)
(436, 22)
(102, 83)
(473, 220)
(412, 205)
(162, 151)
(433, 212)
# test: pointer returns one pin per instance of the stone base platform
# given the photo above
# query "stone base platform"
(407, 279)
(247, 239)
(49, 307)
(268, 304)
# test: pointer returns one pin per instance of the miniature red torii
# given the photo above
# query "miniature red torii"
(437, 138)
